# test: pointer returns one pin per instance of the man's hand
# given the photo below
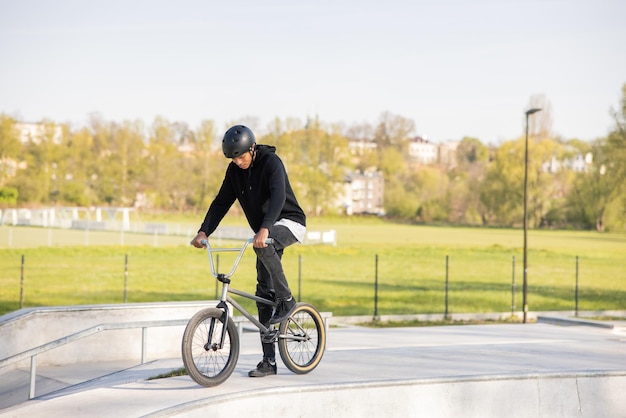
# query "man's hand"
(197, 241)
(260, 238)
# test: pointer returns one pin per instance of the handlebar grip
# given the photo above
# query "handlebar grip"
(204, 242)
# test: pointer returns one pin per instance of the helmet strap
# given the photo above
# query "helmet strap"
(253, 153)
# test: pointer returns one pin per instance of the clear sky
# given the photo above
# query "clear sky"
(455, 67)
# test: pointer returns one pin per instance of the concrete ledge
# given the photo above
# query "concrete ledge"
(616, 326)
(29, 328)
(574, 321)
(26, 329)
(572, 394)
(496, 316)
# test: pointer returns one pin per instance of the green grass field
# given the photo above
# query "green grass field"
(65, 267)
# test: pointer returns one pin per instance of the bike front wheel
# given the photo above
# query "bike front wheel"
(207, 363)
(302, 339)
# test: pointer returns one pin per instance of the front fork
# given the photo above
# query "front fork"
(224, 320)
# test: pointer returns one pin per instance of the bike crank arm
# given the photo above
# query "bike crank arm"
(295, 337)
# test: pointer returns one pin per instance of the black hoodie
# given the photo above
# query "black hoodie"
(263, 190)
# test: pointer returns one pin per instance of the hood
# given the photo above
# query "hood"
(264, 149)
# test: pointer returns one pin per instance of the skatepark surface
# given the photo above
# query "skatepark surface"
(553, 369)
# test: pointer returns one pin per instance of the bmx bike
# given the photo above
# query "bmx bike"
(210, 344)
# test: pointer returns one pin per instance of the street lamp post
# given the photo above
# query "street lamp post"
(525, 285)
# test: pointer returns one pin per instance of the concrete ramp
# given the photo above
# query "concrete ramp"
(593, 395)
(499, 370)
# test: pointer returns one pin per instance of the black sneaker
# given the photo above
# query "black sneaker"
(264, 368)
(283, 310)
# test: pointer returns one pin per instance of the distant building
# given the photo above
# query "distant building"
(447, 154)
(578, 163)
(30, 132)
(552, 166)
(363, 193)
(361, 146)
(422, 151)
(37, 131)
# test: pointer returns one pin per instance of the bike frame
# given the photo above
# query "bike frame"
(210, 353)
(225, 280)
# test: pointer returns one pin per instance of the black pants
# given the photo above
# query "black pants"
(271, 281)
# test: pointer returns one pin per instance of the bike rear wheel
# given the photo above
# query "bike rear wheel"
(302, 339)
(207, 364)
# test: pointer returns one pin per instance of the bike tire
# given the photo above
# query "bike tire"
(302, 339)
(206, 363)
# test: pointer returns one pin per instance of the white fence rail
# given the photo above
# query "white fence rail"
(118, 220)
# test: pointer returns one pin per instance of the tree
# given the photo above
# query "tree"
(393, 131)
(78, 168)
(318, 160)
(431, 186)
(9, 148)
(466, 181)
(501, 192)
(471, 151)
(118, 172)
(397, 201)
(548, 182)
(596, 190)
(165, 167)
(600, 191)
(392, 163)
(103, 176)
(8, 196)
(289, 138)
(617, 144)
(38, 180)
(206, 164)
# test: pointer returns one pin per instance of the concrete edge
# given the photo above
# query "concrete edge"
(494, 316)
(189, 407)
(26, 312)
(558, 320)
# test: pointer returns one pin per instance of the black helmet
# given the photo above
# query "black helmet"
(237, 140)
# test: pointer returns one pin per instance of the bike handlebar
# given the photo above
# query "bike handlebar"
(249, 241)
(241, 250)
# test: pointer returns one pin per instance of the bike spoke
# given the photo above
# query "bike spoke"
(301, 336)
(212, 361)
